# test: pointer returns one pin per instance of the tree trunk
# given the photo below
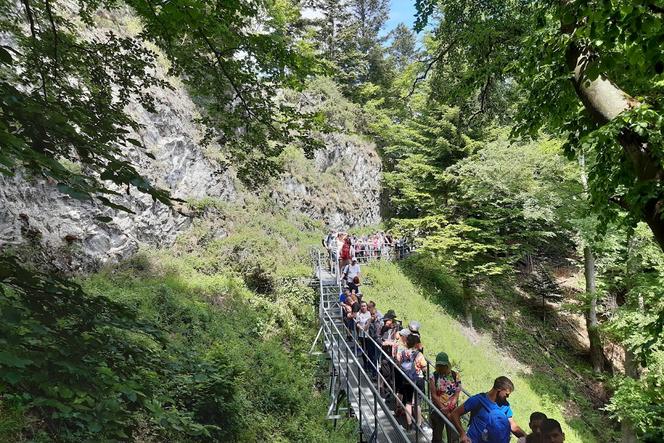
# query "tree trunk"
(628, 435)
(596, 348)
(590, 313)
(604, 101)
(468, 304)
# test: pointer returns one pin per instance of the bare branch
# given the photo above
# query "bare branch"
(484, 93)
(33, 34)
(55, 38)
(422, 76)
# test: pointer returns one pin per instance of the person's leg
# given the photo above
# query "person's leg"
(408, 401)
(418, 411)
(452, 436)
(437, 426)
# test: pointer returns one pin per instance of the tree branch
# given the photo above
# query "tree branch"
(55, 38)
(605, 101)
(433, 61)
(483, 99)
(33, 33)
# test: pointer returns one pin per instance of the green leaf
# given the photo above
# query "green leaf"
(11, 360)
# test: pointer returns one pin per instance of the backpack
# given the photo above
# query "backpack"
(408, 364)
(497, 428)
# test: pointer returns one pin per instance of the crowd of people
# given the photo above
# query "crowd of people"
(342, 247)
(491, 417)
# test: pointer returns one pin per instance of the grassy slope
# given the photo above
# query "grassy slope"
(253, 340)
(479, 362)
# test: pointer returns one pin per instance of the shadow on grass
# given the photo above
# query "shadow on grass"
(516, 325)
(438, 285)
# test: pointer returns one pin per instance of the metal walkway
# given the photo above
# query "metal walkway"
(354, 393)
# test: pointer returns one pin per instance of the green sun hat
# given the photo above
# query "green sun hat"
(442, 359)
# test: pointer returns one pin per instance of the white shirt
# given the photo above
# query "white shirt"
(352, 271)
(361, 319)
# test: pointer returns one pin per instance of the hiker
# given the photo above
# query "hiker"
(444, 386)
(372, 308)
(398, 346)
(338, 245)
(551, 431)
(412, 363)
(330, 245)
(491, 416)
(351, 274)
(362, 322)
(414, 328)
(351, 306)
(344, 295)
(386, 340)
(345, 253)
(536, 419)
(373, 331)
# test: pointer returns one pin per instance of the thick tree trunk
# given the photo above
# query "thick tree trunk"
(596, 348)
(605, 101)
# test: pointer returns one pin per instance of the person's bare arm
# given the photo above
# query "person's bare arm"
(516, 430)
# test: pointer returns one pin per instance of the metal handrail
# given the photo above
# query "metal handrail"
(417, 390)
(377, 397)
(326, 321)
(378, 374)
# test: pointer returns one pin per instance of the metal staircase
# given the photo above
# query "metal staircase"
(350, 383)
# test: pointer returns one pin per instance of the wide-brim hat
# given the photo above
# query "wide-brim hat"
(405, 332)
(442, 359)
(390, 315)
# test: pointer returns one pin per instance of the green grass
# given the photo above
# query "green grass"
(221, 352)
(477, 357)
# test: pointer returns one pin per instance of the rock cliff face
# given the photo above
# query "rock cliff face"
(37, 212)
(340, 186)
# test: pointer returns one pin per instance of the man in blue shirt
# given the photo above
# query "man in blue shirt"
(490, 415)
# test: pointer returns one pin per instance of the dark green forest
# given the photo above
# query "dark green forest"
(516, 138)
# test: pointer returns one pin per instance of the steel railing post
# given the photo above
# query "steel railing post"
(359, 396)
(375, 412)
(415, 417)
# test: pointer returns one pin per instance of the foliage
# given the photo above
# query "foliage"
(476, 357)
(532, 49)
(155, 349)
(479, 209)
(90, 364)
(639, 325)
(349, 38)
(65, 87)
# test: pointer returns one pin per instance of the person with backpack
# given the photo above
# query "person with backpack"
(386, 340)
(490, 415)
(412, 364)
(345, 253)
(351, 275)
(414, 328)
(444, 386)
